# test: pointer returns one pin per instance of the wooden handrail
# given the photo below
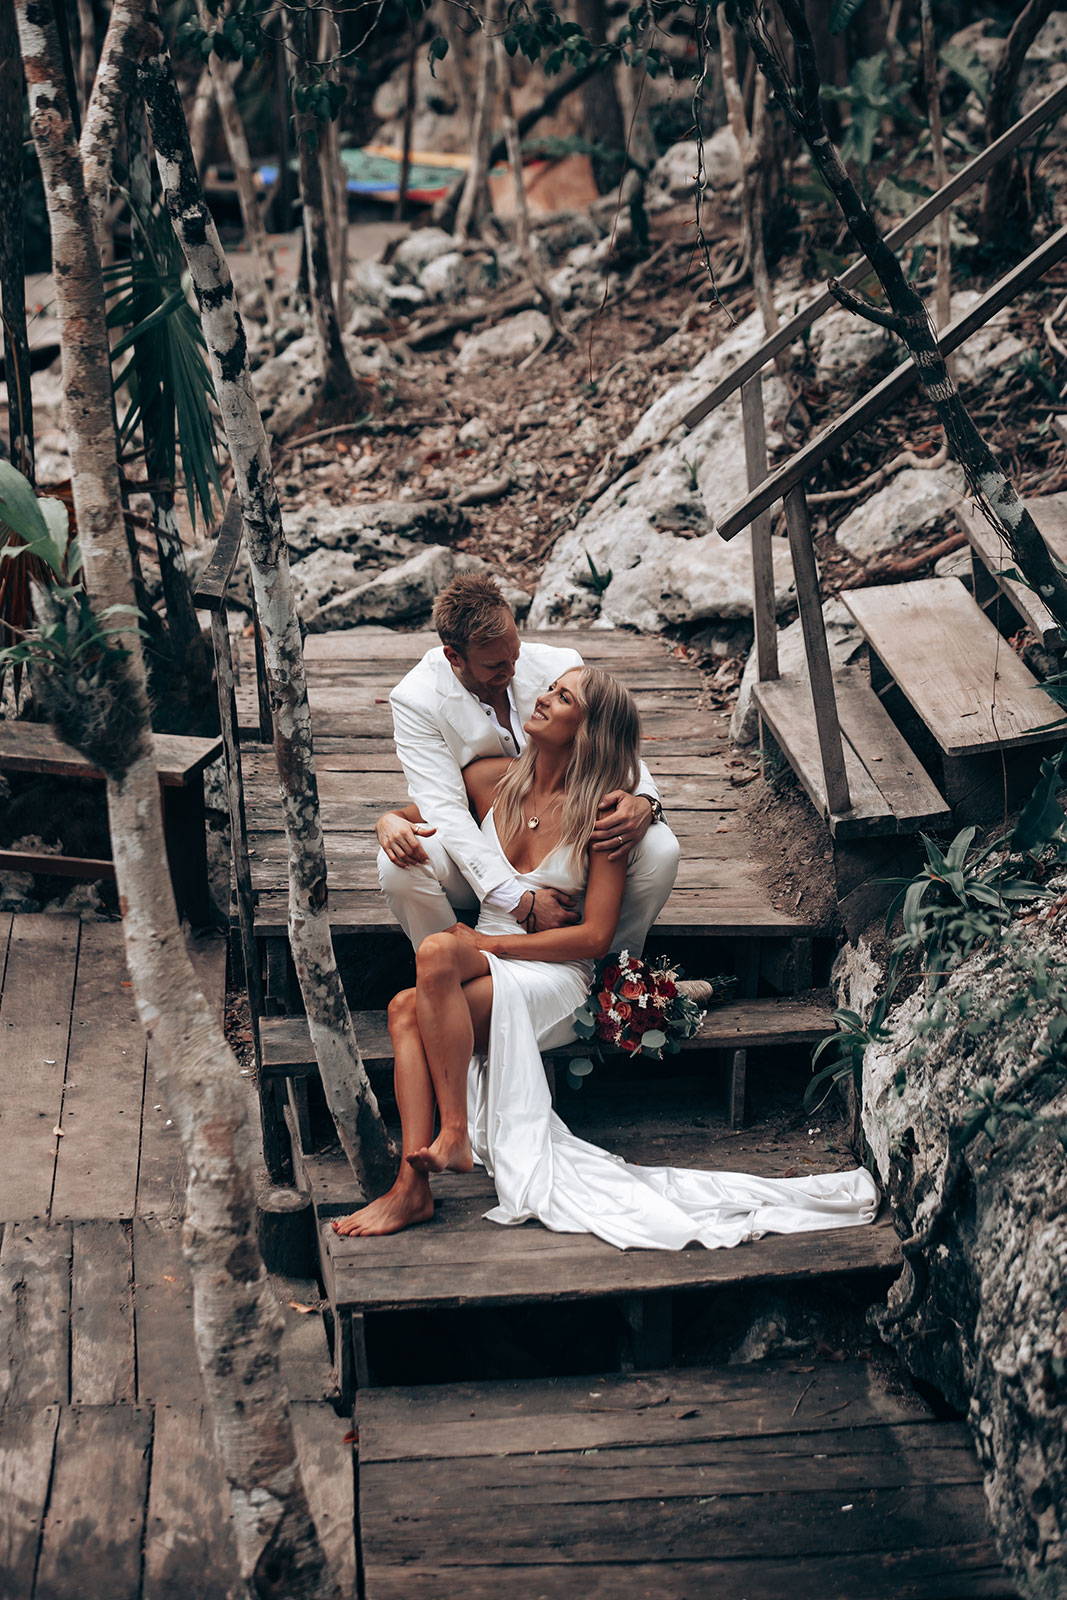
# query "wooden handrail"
(891, 388)
(215, 579)
(930, 208)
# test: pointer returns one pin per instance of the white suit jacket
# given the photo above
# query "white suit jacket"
(440, 728)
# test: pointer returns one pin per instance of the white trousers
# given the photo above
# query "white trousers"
(425, 899)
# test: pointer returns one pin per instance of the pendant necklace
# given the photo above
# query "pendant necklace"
(531, 821)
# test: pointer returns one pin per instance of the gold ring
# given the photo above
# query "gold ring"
(619, 839)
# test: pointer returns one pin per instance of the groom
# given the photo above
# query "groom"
(470, 698)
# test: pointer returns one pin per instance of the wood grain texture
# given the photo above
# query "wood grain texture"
(956, 671)
(33, 747)
(101, 1315)
(189, 1552)
(1049, 512)
(35, 1264)
(96, 1512)
(27, 1441)
(34, 1031)
(167, 1370)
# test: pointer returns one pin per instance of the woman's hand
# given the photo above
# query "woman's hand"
(476, 941)
(400, 839)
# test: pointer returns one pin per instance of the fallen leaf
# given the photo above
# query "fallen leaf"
(351, 1437)
(297, 1305)
(59, 1131)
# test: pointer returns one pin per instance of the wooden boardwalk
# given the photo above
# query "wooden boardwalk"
(721, 888)
(109, 1488)
(746, 1483)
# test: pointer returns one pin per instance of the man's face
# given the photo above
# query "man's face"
(489, 667)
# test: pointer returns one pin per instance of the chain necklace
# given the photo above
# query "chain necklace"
(533, 822)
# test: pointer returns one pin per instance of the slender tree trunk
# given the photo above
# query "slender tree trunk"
(907, 317)
(236, 1323)
(86, 50)
(337, 379)
(202, 118)
(943, 289)
(105, 119)
(474, 201)
(348, 1091)
(459, 62)
(12, 258)
(602, 117)
(409, 118)
(749, 146)
(233, 129)
(1004, 196)
(334, 177)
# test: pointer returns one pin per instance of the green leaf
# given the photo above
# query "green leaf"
(580, 1067)
(966, 64)
(18, 506)
(654, 1039)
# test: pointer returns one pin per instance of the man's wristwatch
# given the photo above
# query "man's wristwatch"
(657, 809)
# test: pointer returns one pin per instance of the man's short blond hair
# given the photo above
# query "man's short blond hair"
(470, 610)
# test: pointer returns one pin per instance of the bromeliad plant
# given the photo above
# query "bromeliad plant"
(637, 1007)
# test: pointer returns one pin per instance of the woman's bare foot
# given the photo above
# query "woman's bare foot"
(400, 1208)
(450, 1152)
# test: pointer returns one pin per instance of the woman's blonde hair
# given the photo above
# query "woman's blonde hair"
(606, 756)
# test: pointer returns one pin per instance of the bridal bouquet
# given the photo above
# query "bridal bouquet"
(641, 1008)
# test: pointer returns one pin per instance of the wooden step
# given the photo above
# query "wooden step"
(741, 1025)
(817, 1480)
(890, 791)
(1049, 512)
(956, 671)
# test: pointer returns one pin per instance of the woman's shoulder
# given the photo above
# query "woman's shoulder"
(482, 777)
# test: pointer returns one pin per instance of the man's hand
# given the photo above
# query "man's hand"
(400, 839)
(552, 909)
(622, 822)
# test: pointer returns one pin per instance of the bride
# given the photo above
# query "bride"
(467, 1039)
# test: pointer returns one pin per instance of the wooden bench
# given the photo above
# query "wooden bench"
(992, 561)
(890, 791)
(738, 1027)
(957, 672)
(33, 748)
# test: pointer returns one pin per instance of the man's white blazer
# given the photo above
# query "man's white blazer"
(440, 728)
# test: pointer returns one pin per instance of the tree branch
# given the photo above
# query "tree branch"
(863, 307)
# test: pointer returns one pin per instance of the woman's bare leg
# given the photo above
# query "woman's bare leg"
(444, 964)
(409, 1200)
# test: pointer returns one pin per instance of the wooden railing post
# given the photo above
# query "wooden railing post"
(764, 611)
(820, 673)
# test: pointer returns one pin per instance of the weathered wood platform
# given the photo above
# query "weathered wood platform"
(748, 1483)
(721, 883)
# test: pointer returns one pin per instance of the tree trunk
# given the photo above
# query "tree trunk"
(105, 119)
(474, 201)
(202, 118)
(601, 111)
(86, 50)
(931, 72)
(752, 191)
(409, 118)
(1004, 198)
(348, 1091)
(237, 1328)
(12, 259)
(337, 379)
(233, 129)
(908, 317)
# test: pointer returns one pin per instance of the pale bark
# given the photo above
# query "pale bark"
(337, 379)
(12, 256)
(348, 1091)
(105, 119)
(602, 116)
(749, 144)
(943, 286)
(907, 317)
(474, 200)
(202, 117)
(86, 50)
(334, 177)
(236, 1322)
(233, 129)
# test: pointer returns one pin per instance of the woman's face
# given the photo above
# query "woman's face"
(558, 712)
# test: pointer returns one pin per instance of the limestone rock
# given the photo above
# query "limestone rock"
(366, 320)
(372, 525)
(676, 170)
(910, 502)
(842, 343)
(989, 348)
(380, 286)
(287, 386)
(507, 342)
(447, 277)
(403, 593)
(419, 249)
(845, 643)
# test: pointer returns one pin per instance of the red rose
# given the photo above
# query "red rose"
(605, 999)
(611, 975)
(625, 1012)
(630, 1045)
(666, 989)
(630, 988)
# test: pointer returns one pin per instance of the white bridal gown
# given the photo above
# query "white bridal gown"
(540, 1169)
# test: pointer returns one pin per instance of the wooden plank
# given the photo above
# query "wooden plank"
(96, 1513)
(214, 581)
(969, 687)
(824, 301)
(34, 747)
(742, 1024)
(785, 705)
(305, 1355)
(889, 760)
(678, 1407)
(34, 1030)
(27, 1441)
(476, 1269)
(764, 609)
(328, 1468)
(34, 1313)
(816, 652)
(190, 1552)
(96, 1163)
(101, 1315)
(167, 1370)
(1050, 514)
(957, 1572)
(80, 867)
